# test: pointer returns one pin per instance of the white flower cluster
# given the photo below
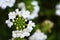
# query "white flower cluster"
(38, 35)
(5, 3)
(24, 32)
(12, 15)
(35, 11)
(20, 33)
(58, 9)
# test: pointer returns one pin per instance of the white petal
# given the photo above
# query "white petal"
(12, 15)
(58, 12)
(34, 3)
(9, 23)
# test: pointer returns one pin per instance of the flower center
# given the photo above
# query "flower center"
(20, 23)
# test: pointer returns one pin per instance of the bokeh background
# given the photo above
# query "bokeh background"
(47, 11)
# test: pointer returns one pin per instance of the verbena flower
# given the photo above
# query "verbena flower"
(35, 10)
(38, 35)
(5, 3)
(18, 19)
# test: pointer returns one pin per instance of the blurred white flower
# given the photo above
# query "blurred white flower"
(58, 9)
(34, 13)
(36, 8)
(58, 6)
(58, 12)
(5, 3)
(38, 35)
(9, 23)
